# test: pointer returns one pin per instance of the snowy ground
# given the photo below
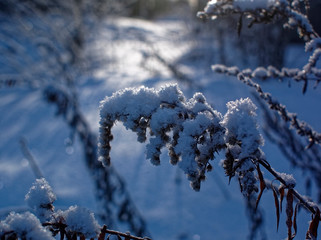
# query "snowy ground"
(162, 194)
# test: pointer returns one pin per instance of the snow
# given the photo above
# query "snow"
(187, 144)
(131, 104)
(247, 178)
(79, 220)
(161, 193)
(163, 117)
(260, 72)
(40, 198)
(313, 44)
(25, 225)
(312, 60)
(241, 124)
(289, 179)
(243, 142)
(240, 4)
(167, 112)
(298, 19)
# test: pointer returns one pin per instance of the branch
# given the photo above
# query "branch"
(193, 131)
(262, 73)
(293, 148)
(312, 207)
(190, 129)
(179, 75)
(292, 13)
(302, 127)
(32, 162)
(262, 13)
(127, 235)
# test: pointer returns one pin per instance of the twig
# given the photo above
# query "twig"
(302, 127)
(308, 205)
(179, 75)
(291, 146)
(26, 152)
(126, 235)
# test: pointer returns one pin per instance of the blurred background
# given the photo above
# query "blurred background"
(59, 59)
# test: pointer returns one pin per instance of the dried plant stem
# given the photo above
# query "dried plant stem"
(308, 205)
(104, 230)
(32, 162)
(302, 127)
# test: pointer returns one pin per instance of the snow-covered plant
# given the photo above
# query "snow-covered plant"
(190, 129)
(110, 187)
(193, 131)
(40, 198)
(78, 220)
(263, 11)
(292, 14)
(43, 47)
(72, 222)
(23, 226)
(242, 140)
(47, 224)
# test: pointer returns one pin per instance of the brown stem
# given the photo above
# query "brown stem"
(126, 235)
(308, 205)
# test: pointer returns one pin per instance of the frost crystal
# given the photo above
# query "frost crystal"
(79, 220)
(25, 226)
(40, 198)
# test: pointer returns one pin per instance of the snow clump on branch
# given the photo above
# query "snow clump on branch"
(79, 220)
(243, 142)
(24, 226)
(224, 6)
(191, 130)
(242, 136)
(40, 198)
(75, 221)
